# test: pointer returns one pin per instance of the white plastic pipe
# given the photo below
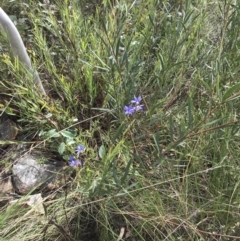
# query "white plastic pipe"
(18, 48)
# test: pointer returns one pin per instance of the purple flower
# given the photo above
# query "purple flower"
(136, 100)
(80, 149)
(139, 107)
(129, 110)
(135, 106)
(73, 162)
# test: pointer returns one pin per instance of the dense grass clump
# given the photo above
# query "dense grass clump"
(168, 171)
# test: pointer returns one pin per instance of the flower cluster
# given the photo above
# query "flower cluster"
(134, 106)
(76, 162)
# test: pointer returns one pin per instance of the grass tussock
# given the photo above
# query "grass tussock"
(167, 172)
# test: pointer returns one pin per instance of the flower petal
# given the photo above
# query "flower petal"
(80, 149)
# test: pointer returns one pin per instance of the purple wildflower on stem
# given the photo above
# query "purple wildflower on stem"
(80, 149)
(135, 106)
(139, 107)
(129, 110)
(73, 162)
(136, 100)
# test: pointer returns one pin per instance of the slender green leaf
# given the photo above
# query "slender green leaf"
(156, 140)
(190, 114)
(67, 134)
(213, 122)
(171, 127)
(126, 172)
(119, 131)
(230, 91)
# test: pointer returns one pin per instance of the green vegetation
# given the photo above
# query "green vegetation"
(169, 173)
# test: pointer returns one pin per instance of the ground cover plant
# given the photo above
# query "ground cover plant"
(142, 105)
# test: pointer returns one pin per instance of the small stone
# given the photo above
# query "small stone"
(31, 172)
(8, 130)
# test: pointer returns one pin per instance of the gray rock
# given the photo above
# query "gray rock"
(31, 171)
(8, 130)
